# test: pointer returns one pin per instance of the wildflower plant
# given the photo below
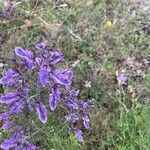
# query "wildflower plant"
(33, 81)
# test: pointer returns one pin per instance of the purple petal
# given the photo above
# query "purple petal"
(72, 117)
(4, 116)
(79, 135)
(9, 98)
(56, 57)
(17, 135)
(12, 142)
(43, 76)
(72, 105)
(20, 147)
(8, 144)
(74, 93)
(12, 84)
(7, 125)
(12, 72)
(23, 53)
(56, 92)
(86, 121)
(17, 108)
(38, 61)
(63, 77)
(27, 63)
(5, 80)
(54, 97)
(9, 75)
(85, 104)
(52, 102)
(42, 112)
(26, 55)
(42, 45)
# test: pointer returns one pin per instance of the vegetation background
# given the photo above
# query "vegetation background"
(101, 39)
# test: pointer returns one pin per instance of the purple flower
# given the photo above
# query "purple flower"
(26, 55)
(23, 53)
(72, 117)
(42, 112)
(56, 57)
(42, 46)
(8, 144)
(74, 93)
(63, 77)
(9, 98)
(11, 142)
(6, 125)
(85, 105)
(72, 105)
(4, 116)
(54, 97)
(16, 108)
(28, 146)
(18, 141)
(86, 121)
(79, 135)
(9, 75)
(38, 61)
(43, 76)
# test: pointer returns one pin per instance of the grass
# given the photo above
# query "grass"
(120, 118)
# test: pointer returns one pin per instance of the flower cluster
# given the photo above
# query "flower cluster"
(33, 82)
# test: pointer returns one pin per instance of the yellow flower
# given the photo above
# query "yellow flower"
(108, 24)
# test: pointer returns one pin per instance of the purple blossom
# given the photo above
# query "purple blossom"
(72, 117)
(8, 144)
(63, 77)
(17, 107)
(6, 125)
(9, 98)
(72, 105)
(4, 116)
(79, 113)
(42, 46)
(38, 61)
(54, 97)
(74, 93)
(12, 142)
(18, 141)
(26, 55)
(56, 57)
(23, 53)
(42, 112)
(85, 105)
(86, 121)
(9, 75)
(43, 76)
(79, 135)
